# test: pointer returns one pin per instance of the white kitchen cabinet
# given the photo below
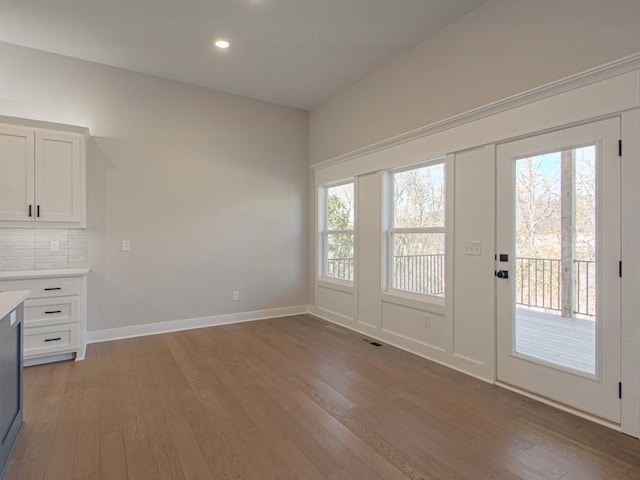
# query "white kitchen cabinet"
(17, 171)
(54, 313)
(42, 177)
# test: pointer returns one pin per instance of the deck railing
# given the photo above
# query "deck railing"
(585, 287)
(413, 273)
(341, 268)
(419, 273)
(539, 284)
(538, 280)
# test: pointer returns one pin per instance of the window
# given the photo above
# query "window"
(338, 235)
(417, 229)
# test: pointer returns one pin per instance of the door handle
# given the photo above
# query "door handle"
(502, 273)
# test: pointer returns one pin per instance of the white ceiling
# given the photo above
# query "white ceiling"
(292, 52)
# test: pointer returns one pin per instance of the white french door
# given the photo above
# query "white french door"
(557, 268)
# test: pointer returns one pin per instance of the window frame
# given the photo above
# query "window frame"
(391, 230)
(325, 232)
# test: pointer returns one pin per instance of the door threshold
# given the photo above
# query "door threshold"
(561, 406)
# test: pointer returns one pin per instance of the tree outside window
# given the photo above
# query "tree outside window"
(339, 232)
(417, 229)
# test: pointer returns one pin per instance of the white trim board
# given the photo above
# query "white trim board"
(572, 82)
(32, 123)
(375, 335)
(595, 101)
(109, 334)
(391, 340)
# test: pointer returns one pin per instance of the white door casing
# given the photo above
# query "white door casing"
(597, 393)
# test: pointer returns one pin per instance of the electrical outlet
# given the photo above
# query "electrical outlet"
(54, 246)
(472, 248)
(235, 296)
(427, 321)
(126, 245)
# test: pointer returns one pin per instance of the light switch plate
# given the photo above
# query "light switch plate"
(126, 245)
(54, 246)
(472, 248)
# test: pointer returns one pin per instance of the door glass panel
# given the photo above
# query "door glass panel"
(555, 264)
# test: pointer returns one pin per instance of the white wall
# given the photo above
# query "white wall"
(502, 48)
(210, 188)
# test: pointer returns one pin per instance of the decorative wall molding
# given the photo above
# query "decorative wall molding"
(597, 74)
(381, 336)
(33, 123)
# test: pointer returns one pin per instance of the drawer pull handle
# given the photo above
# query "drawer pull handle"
(52, 288)
(53, 311)
(52, 339)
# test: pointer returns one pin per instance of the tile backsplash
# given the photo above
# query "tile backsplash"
(30, 248)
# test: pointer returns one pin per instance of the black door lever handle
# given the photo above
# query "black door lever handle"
(502, 273)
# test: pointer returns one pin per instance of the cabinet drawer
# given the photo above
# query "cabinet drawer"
(44, 287)
(47, 340)
(41, 312)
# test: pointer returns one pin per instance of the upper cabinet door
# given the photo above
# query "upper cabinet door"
(16, 174)
(58, 178)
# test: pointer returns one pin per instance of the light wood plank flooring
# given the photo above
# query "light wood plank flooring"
(293, 398)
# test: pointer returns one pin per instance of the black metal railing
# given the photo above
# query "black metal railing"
(539, 284)
(538, 280)
(585, 302)
(419, 273)
(341, 268)
(413, 273)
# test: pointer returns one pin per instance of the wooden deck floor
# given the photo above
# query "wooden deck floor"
(293, 398)
(569, 342)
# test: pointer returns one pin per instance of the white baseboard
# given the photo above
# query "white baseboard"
(106, 335)
(388, 339)
(60, 357)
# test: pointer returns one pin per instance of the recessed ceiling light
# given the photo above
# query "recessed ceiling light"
(221, 43)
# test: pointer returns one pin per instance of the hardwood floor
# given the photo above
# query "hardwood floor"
(293, 398)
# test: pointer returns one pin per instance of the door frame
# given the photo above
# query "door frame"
(595, 393)
(630, 306)
(630, 254)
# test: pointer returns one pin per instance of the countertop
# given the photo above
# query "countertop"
(10, 300)
(25, 274)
